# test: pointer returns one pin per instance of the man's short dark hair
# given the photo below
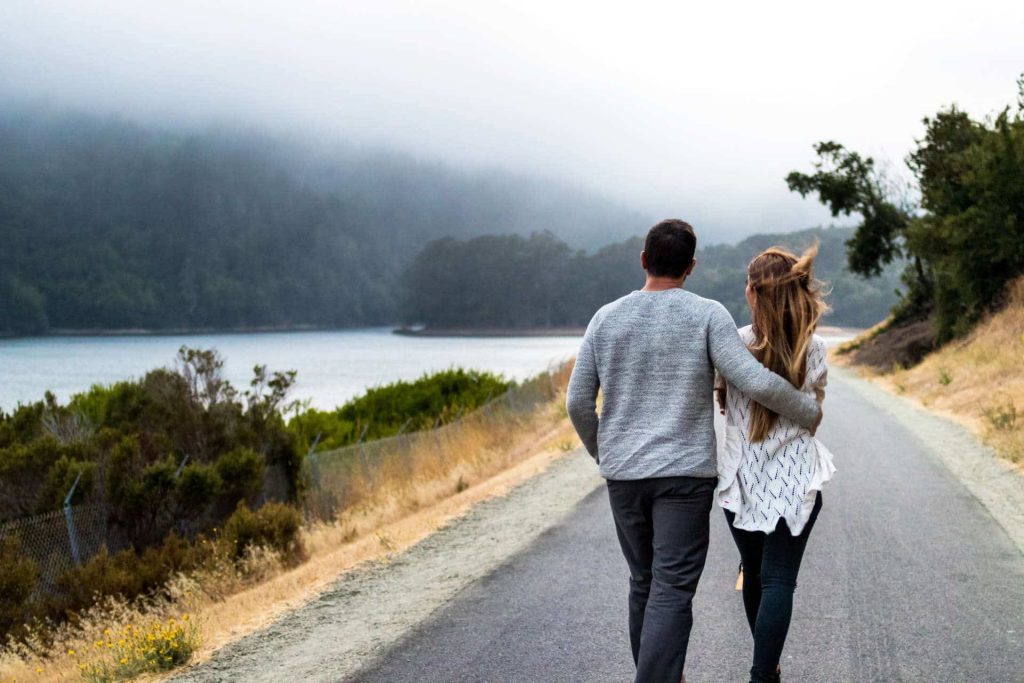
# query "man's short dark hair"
(670, 246)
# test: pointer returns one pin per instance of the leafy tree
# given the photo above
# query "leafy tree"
(967, 240)
(847, 183)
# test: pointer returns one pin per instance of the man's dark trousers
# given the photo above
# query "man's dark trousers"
(663, 527)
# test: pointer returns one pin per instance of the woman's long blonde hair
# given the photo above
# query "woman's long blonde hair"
(788, 304)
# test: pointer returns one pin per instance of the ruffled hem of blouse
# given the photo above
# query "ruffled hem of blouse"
(730, 494)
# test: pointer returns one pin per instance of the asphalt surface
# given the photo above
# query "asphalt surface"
(907, 577)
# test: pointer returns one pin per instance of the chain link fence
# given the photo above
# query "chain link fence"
(57, 541)
(340, 479)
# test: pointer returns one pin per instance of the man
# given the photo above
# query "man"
(653, 354)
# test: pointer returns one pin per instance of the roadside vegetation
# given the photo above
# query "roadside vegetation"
(179, 535)
(955, 338)
(399, 407)
(958, 227)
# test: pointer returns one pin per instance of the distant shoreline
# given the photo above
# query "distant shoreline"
(402, 331)
(824, 330)
(179, 331)
(492, 332)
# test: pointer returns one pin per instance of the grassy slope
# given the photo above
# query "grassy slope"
(978, 380)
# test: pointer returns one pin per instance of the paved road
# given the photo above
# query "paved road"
(907, 578)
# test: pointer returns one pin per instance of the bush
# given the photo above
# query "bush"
(128, 441)
(198, 485)
(241, 473)
(101, 575)
(18, 578)
(126, 573)
(401, 407)
(155, 646)
(275, 526)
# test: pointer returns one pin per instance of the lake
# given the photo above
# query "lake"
(333, 366)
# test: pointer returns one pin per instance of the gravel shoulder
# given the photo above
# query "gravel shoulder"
(370, 608)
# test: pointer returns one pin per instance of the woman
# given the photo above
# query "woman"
(771, 470)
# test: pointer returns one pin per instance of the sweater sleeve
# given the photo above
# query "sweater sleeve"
(581, 396)
(733, 360)
(817, 366)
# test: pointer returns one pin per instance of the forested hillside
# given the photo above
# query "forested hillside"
(107, 225)
(509, 281)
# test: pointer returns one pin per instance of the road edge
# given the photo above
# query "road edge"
(993, 481)
(418, 581)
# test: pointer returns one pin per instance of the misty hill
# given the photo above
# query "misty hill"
(510, 281)
(109, 225)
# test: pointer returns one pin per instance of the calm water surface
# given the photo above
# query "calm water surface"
(332, 366)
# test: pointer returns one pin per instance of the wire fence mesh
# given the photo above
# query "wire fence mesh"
(342, 478)
(57, 541)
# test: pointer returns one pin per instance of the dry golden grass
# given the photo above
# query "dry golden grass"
(388, 508)
(979, 381)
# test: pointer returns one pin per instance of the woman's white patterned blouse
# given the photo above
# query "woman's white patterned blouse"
(777, 478)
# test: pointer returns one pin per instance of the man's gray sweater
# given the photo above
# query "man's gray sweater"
(653, 355)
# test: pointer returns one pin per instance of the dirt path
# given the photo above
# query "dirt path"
(369, 609)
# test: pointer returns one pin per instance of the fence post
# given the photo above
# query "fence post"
(69, 519)
(362, 450)
(314, 503)
(181, 466)
(314, 462)
(440, 446)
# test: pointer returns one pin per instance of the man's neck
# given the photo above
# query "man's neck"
(661, 284)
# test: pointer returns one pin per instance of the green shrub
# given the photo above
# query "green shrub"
(127, 440)
(198, 486)
(126, 573)
(101, 575)
(241, 473)
(400, 407)
(59, 480)
(275, 526)
(18, 579)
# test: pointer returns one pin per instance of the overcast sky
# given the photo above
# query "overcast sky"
(677, 109)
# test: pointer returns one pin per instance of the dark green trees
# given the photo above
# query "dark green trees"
(965, 241)
(538, 282)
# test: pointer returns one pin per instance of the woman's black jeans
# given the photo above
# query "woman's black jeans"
(771, 563)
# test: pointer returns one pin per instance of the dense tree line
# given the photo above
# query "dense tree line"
(107, 225)
(959, 227)
(510, 281)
